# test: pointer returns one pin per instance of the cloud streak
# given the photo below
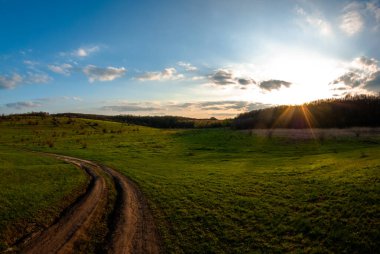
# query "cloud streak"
(22, 104)
(64, 69)
(166, 74)
(129, 108)
(103, 74)
(316, 21)
(187, 66)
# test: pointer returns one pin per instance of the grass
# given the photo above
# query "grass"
(225, 191)
(33, 190)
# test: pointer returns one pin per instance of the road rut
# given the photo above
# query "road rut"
(132, 229)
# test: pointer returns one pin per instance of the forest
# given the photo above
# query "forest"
(350, 111)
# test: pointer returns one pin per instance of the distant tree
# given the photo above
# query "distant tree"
(350, 111)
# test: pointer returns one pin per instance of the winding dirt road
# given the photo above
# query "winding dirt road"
(132, 228)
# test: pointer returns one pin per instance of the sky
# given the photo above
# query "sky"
(198, 58)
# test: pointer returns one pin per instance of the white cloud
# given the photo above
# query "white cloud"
(187, 66)
(166, 74)
(196, 78)
(64, 69)
(81, 52)
(7, 82)
(85, 51)
(30, 63)
(103, 74)
(358, 15)
(10, 82)
(37, 78)
(315, 20)
(351, 22)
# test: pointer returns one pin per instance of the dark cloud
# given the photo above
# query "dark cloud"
(244, 82)
(374, 82)
(351, 79)
(273, 84)
(224, 77)
(365, 73)
(22, 104)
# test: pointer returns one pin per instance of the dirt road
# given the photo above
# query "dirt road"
(132, 229)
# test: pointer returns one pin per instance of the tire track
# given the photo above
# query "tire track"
(132, 228)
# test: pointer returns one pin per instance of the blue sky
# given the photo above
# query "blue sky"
(193, 58)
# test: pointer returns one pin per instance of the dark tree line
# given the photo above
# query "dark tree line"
(351, 111)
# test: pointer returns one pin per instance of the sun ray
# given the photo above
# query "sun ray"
(308, 116)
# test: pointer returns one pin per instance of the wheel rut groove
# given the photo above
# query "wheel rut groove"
(131, 229)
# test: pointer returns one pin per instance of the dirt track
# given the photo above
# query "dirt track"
(132, 228)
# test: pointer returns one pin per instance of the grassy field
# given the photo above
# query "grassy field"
(33, 191)
(225, 191)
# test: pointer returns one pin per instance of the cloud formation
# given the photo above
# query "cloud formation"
(187, 66)
(166, 74)
(273, 84)
(85, 51)
(22, 104)
(64, 69)
(223, 77)
(103, 74)
(358, 15)
(363, 73)
(10, 82)
(352, 21)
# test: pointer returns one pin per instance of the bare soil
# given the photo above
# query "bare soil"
(132, 229)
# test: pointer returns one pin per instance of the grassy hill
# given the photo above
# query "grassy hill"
(224, 191)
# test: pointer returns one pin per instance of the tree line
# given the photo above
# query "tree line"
(350, 111)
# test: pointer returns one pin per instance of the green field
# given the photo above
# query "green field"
(217, 190)
(33, 191)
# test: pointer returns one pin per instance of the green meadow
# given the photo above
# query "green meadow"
(33, 191)
(211, 190)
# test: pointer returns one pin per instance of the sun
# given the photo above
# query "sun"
(308, 72)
